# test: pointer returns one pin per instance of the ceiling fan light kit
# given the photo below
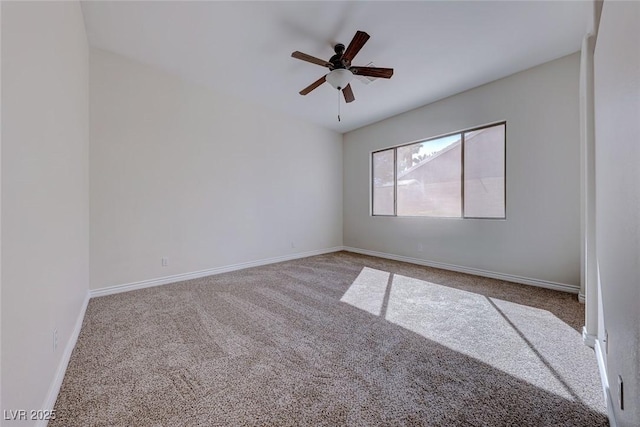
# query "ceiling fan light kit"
(339, 78)
(341, 72)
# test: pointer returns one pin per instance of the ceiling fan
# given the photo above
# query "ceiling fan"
(340, 65)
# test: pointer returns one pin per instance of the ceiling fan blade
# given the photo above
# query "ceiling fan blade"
(348, 94)
(384, 73)
(313, 85)
(356, 44)
(309, 58)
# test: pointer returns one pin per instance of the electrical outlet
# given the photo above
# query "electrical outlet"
(55, 340)
(165, 261)
(620, 393)
(420, 247)
(293, 245)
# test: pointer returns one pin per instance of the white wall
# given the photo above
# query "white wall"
(540, 238)
(45, 193)
(617, 114)
(202, 178)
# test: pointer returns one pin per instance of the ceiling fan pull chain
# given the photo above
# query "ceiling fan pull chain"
(338, 105)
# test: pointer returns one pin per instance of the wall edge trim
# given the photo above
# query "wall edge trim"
(574, 289)
(588, 339)
(56, 383)
(126, 287)
(602, 367)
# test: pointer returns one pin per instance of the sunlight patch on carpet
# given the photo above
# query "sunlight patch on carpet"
(367, 291)
(519, 340)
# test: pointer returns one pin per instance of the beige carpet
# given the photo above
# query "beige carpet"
(337, 339)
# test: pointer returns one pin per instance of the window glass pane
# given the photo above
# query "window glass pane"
(383, 183)
(429, 178)
(484, 174)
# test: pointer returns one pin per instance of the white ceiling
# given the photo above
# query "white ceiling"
(437, 48)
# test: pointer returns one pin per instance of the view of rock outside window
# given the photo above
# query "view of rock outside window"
(428, 179)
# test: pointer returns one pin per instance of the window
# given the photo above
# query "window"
(383, 182)
(458, 175)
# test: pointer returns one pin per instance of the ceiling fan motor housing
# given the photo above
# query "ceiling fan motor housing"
(336, 60)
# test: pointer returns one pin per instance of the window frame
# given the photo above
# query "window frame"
(462, 146)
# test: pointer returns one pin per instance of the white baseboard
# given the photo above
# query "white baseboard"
(582, 298)
(588, 339)
(602, 367)
(54, 388)
(110, 290)
(470, 270)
